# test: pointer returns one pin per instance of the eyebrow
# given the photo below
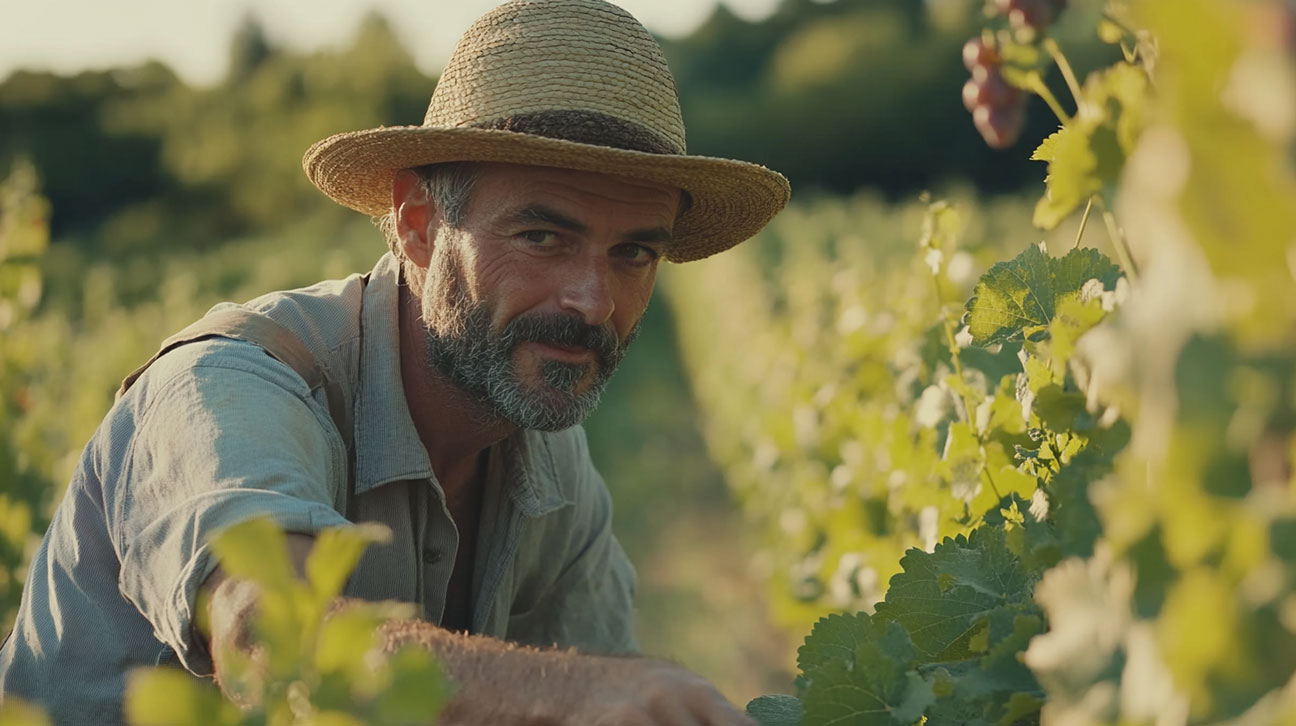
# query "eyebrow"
(548, 215)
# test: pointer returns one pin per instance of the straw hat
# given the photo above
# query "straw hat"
(577, 84)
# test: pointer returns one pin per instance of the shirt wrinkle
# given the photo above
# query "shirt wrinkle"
(535, 500)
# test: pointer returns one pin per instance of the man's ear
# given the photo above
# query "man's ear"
(417, 217)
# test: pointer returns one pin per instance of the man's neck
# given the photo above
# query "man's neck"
(454, 428)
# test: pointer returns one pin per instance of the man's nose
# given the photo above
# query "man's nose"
(588, 290)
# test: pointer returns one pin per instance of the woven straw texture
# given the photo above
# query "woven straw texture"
(517, 76)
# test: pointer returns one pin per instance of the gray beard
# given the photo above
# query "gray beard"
(479, 360)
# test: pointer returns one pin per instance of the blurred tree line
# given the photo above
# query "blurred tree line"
(837, 95)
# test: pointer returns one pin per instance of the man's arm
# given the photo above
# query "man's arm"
(499, 682)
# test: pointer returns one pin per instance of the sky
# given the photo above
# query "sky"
(192, 36)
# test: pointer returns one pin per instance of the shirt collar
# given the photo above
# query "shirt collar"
(388, 447)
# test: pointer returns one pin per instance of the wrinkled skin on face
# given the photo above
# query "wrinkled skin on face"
(532, 300)
(480, 360)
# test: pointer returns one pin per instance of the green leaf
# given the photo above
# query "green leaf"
(1019, 298)
(1071, 180)
(255, 550)
(335, 554)
(1087, 155)
(776, 710)
(171, 696)
(1121, 92)
(1023, 63)
(1002, 670)
(962, 460)
(344, 640)
(17, 712)
(1073, 317)
(1020, 706)
(941, 598)
(880, 689)
(418, 689)
(1110, 32)
(834, 638)
(1058, 408)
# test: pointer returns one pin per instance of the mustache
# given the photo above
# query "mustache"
(564, 330)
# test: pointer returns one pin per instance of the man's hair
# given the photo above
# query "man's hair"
(448, 186)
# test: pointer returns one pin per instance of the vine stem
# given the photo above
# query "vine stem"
(1083, 221)
(958, 370)
(949, 328)
(1041, 90)
(1051, 47)
(1118, 241)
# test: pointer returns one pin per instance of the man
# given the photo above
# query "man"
(438, 395)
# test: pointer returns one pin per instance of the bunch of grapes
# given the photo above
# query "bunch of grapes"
(999, 109)
(1030, 17)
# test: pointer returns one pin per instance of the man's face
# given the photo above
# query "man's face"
(531, 302)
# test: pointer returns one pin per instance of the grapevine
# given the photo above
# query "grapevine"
(1104, 532)
(312, 663)
(24, 235)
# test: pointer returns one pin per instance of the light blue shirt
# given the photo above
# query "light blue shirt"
(217, 432)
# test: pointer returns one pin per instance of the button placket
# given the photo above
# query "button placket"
(437, 551)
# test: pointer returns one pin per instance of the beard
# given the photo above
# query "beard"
(463, 345)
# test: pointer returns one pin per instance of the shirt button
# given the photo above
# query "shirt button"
(431, 557)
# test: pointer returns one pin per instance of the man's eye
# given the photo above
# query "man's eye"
(539, 237)
(637, 253)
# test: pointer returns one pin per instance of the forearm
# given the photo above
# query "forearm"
(501, 682)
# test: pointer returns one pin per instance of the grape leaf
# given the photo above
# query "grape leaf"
(1070, 181)
(1074, 317)
(255, 550)
(1059, 409)
(1001, 669)
(834, 637)
(1019, 298)
(169, 695)
(776, 710)
(335, 554)
(17, 712)
(1086, 156)
(996, 689)
(418, 689)
(943, 598)
(1073, 514)
(878, 687)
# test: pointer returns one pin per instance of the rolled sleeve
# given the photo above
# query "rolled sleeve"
(229, 438)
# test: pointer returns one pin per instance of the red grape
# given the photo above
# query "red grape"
(989, 90)
(1035, 17)
(976, 52)
(1000, 127)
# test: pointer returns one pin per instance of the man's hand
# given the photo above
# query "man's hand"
(642, 691)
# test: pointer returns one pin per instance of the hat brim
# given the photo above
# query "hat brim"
(731, 200)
